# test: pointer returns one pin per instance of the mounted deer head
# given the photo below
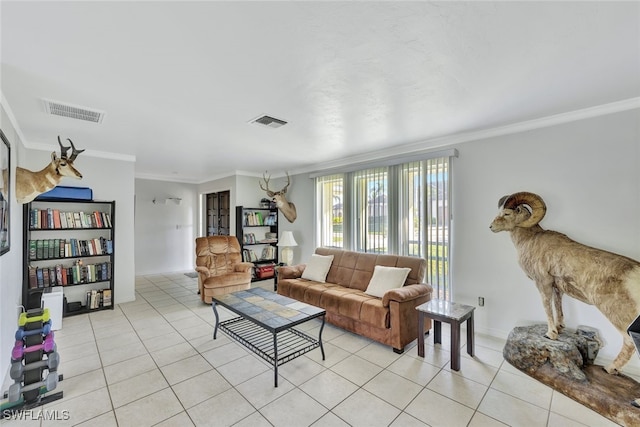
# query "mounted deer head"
(288, 209)
(30, 185)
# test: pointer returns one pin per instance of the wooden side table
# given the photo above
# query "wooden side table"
(448, 312)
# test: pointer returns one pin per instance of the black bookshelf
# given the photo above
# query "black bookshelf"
(252, 226)
(80, 252)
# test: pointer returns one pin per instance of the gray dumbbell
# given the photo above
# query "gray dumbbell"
(51, 363)
(50, 383)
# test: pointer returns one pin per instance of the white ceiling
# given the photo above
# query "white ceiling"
(179, 81)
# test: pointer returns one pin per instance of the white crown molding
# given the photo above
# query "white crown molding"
(155, 177)
(424, 147)
(279, 174)
(88, 153)
(416, 148)
(12, 117)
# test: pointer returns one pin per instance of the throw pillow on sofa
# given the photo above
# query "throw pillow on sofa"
(317, 268)
(385, 279)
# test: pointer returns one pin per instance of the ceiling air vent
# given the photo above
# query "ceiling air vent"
(269, 121)
(72, 111)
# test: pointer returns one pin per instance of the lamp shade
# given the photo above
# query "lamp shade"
(286, 239)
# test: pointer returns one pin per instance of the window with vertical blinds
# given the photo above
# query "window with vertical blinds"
(329, 192)
(403, 209)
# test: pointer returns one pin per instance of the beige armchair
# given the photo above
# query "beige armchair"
(220, 267)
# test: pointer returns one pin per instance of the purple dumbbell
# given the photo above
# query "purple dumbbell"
(19, 350)
(21, 333)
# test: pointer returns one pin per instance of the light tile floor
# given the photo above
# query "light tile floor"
(154, 362)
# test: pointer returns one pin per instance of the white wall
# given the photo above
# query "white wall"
(10, 262)
(165, 233)
(245, 191)
(97, 174)
(588, 173)
(301, 193)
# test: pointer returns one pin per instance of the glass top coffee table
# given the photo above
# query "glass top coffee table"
(265, 325)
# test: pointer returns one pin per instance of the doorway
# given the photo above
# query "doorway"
(217, 216)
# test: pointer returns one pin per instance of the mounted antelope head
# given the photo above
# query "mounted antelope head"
(30, 185)
(288, 209)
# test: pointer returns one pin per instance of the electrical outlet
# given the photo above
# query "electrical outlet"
(481, 301)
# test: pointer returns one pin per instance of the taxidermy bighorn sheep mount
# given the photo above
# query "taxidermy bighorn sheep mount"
(559, 265)
(30, 185)
(288, 209)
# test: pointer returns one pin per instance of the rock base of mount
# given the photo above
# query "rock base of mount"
(566, 365)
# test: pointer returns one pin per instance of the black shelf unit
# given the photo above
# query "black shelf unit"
(245, 229)
(99, 266)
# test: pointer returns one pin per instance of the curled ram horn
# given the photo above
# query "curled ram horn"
(536, 204)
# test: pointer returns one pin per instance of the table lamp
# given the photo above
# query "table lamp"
(286, 242)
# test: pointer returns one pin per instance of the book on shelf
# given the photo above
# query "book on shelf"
(76, 220)
(70, 221)
(33, 279)
(268, 252)
(53, 248)
(53, 278)
(32, 249)
(98, 219)
(249, 256)
(254, 218)
(271, 219)
(92, 299)
(63, 220)
(45, 277)
(40, 277)
(56, 219)
(106, 297)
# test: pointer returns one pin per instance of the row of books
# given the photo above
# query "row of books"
(98, 298)
(256, 218)
(47, 219)
(249, 256)
(67, 248)
(59, 275)
(268, 253)
(250, 238)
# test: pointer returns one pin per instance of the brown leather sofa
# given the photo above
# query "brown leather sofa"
(220, 267)
(391, 320)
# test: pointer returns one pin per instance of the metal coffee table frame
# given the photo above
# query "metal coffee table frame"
(275, 344)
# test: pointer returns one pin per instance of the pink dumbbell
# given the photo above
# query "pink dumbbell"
(19, 350)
